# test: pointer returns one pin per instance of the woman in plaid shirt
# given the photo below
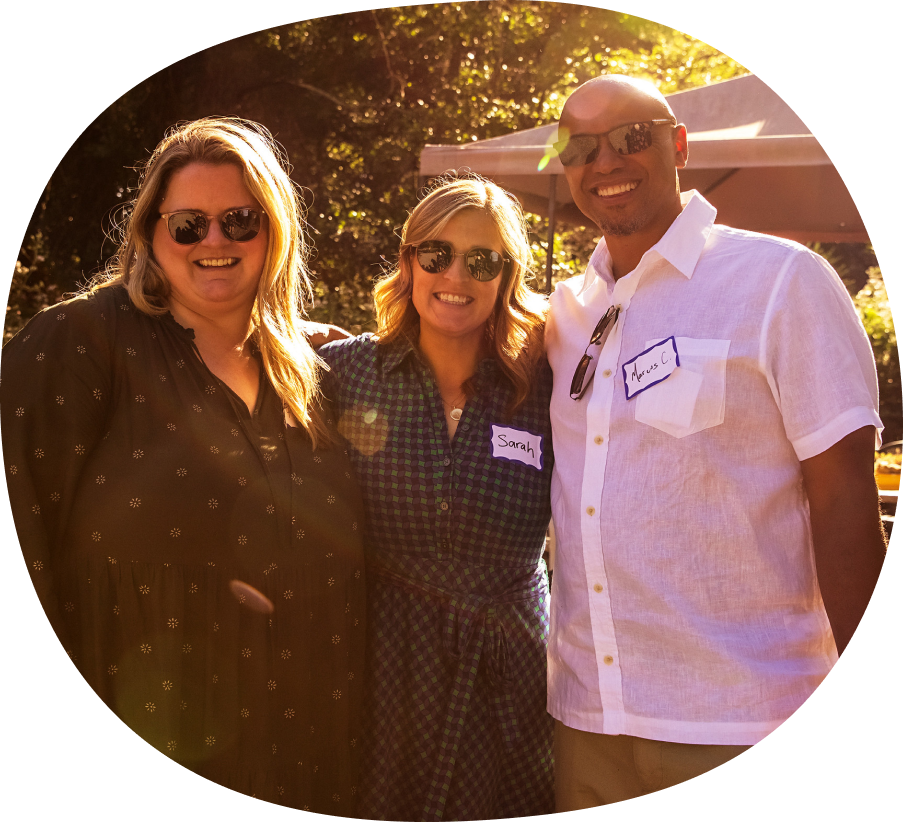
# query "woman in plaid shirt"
(447, 415)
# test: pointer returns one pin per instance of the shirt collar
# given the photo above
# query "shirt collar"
(681, 245)
(393, 354)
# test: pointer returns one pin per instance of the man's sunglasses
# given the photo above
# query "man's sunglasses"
(581, 149)
(583, 376)
(435, 256)
(190, 227)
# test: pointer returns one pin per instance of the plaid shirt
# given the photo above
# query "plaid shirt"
(458, 599)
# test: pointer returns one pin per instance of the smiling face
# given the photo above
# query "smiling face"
(632, 194)
(452, 304)
(216, 275)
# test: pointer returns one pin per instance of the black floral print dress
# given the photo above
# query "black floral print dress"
(455, 700)
(202, 565)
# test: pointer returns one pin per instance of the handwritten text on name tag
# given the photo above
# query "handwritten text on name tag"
(650, 367)
(517, 445)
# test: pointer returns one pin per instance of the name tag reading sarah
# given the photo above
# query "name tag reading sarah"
(650, 367)
(517, 445)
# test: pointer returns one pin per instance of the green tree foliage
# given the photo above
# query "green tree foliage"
(874, 310)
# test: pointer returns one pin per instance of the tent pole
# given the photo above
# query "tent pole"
(550, 238)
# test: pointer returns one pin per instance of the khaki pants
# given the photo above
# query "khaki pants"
(596, 769)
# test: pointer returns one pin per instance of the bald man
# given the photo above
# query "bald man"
(714, 418)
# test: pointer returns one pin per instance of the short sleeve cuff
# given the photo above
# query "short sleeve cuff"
(846, 423)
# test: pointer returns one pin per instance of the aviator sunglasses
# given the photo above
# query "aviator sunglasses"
(583, 376)
(581, 149)
(483, 264)
(190, 227)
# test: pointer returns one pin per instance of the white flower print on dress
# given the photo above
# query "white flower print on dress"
(167, 685)
(193, 588)
(150, 707)
(39, 453)
(81, 349)
(242, 481)
(38, 565)
(171, 745)
(13, 470)
(145, 589)
(137, 454)
(336, 639)
(40, 358)
(175, 532)
(181, 472)
(172, 622)
(212, 503)
(211, 741)
(131, 352)
(170, 426)
(100, 479)
(214, 449)
(139, 398)
(286, 654)
(112, 670)
(20, 412)
(135, 503)
(287, 594)
(186, 649)
(36, 509)
(79, 449)
(245, 713)
(96, 536)
(271, 684)
(246, 652)
(289, 713)
(60, 400)
(145, 648)
(336, 694)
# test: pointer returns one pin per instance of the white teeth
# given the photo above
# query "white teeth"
(454, 299)
(610, 191)
(217, 263)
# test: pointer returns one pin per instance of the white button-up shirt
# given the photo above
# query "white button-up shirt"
(685, 605)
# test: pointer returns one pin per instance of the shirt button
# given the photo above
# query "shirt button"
(597, 588)
(608, 660)
(591, 510)
(606, 372)
(446, 462)
(598, 440)
(443, 506)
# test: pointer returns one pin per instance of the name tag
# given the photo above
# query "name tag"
(650, 367)
(517, 445)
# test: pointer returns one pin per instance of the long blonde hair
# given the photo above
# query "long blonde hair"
(515, 327)
(290, 362)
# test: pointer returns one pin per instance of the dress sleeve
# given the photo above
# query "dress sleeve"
(54, 397)
(817, 357)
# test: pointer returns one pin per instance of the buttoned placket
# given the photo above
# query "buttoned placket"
(599, 401)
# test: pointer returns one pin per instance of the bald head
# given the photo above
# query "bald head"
(614, 94)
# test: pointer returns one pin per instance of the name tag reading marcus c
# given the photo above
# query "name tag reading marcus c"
(650, 367)
(517, 445)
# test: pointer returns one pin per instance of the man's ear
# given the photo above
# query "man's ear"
(681, 149)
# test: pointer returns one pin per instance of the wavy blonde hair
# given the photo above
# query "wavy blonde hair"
(277, 315)
(514, 330)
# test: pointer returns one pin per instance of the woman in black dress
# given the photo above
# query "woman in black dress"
(188, 520)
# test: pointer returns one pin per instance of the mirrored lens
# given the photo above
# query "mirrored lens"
(434, 257)
(578, 150)
(484, 263)
(187, 227)
(241, 225)
(631, 139)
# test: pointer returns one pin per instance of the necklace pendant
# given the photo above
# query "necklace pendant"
(455, 413)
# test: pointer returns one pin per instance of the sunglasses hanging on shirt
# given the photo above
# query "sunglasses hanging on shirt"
(583, 376)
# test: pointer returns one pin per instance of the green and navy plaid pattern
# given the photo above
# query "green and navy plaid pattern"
(456, 723)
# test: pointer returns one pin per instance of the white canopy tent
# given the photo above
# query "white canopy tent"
(750, 156)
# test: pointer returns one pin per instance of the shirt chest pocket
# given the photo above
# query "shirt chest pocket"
(692, 398)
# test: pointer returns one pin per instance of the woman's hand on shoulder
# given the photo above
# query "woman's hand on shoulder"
(318, 334)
